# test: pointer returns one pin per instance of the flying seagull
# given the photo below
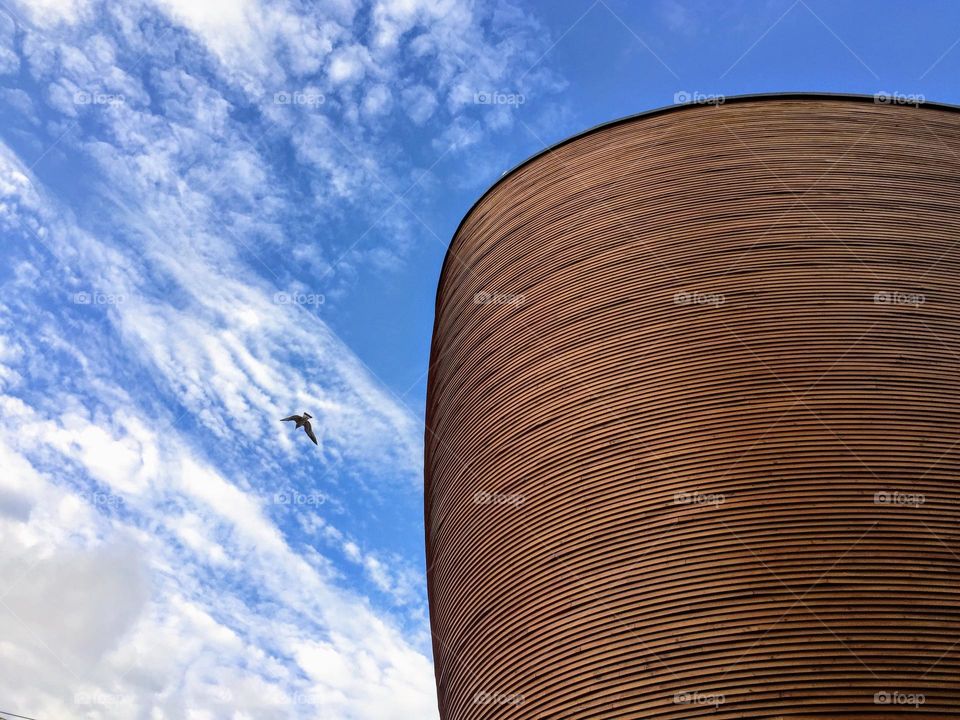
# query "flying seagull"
(304, 422)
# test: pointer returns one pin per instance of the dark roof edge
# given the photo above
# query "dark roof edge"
(855, 97)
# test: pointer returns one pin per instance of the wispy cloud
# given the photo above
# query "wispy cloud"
(189, 190)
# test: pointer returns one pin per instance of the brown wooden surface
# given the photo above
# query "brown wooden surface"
(586, 397)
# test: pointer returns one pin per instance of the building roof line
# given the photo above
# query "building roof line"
(848, 97)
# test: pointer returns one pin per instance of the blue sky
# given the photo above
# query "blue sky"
(217, 213)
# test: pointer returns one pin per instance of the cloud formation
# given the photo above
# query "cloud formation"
(188, 191)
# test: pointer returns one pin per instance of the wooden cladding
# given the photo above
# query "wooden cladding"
(693, 422)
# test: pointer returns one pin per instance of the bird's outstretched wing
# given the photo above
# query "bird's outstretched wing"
(292, 417)
(309, 431)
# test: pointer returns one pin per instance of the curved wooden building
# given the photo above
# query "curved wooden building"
(694, 421)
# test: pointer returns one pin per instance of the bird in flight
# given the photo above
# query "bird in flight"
(304, 422)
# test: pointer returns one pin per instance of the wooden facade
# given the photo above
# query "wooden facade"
(693, 421)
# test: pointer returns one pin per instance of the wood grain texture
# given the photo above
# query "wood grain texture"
(693, 422)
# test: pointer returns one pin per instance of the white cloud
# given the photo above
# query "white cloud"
(394, 18)
(163, 517)
(130, 606)
(349, 64)
(249, 37)
(420, 103)
(9, 61)
(76, 605)
(142, 435)
(679, 17)
(51, 12)
(228, 27)
(21, 102)
(377, 101)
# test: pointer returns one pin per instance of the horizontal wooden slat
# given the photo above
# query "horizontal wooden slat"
(694, 421)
